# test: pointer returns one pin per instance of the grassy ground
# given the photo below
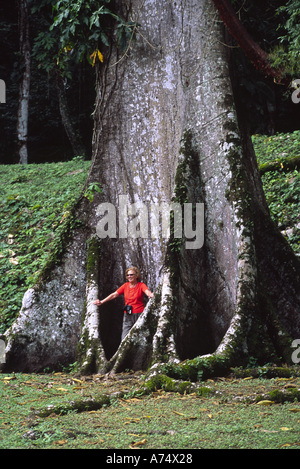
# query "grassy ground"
(282, 188)
(238, 413)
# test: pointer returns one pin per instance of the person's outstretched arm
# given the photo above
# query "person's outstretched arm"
(110, 297)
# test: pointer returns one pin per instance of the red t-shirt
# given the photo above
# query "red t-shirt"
(133, 296)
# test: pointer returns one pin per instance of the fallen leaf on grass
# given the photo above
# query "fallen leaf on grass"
(77, 380)
(294, 410)
(267, 431)
(131, 420)
(285, 429)
(138, 443)
(60, 442)
(265, 402)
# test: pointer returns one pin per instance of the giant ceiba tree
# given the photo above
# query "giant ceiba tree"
(168, 129)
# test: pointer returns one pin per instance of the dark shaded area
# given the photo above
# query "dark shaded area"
(47, 140)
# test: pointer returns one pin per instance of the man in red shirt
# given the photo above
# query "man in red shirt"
(133, 291)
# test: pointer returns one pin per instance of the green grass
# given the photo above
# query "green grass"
(34, 200)
(282, 188)
(230, 417)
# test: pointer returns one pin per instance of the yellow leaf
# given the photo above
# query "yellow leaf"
(93, 57)
(96, 54)
(62, 389)
(294, 410)
(140, 443)
(210, 416)
(265, 402)
(77, 380)
(285, 429)
(60, 442)
(100, 56)
(178, 413)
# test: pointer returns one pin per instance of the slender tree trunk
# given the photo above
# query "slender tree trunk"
(253, 51)
(167, 129)
(77, 146)
(24, 90)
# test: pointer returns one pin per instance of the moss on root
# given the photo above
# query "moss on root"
(161, 381)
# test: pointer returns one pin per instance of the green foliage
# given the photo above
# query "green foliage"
(287, 54)
(90, 191)
(78, 30)
(282, 188)
(35, 201)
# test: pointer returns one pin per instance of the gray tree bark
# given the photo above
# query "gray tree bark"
(167, 127)
(24, 88)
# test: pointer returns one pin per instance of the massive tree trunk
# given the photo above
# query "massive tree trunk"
(167, 128)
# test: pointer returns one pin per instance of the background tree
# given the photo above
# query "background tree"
(168, 126)
(24, 89)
